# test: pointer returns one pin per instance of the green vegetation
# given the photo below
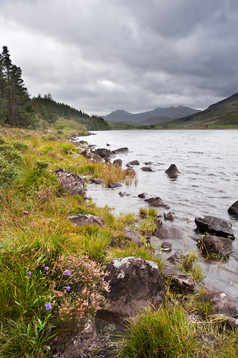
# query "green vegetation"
(51, 271)
(168, 332)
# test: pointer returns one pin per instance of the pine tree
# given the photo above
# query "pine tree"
(16, 105)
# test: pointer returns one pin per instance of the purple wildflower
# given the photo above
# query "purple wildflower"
(46, 268)
(68, 288)
(29, 273)
(32, 250)
(67, 272)
(48, 306)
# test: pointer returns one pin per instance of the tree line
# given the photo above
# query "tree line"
(17, 109)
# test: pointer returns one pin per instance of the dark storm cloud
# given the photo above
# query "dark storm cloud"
(100, 55)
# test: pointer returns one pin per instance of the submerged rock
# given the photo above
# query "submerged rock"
(142, 195)
(169, 215)
(147, 169)
(134, 284)
(233, 209)
(176, 257)
(87, 219)
(71, 182)
(156, 202)
(172, 171)
(215, 245)
(221, 302)
(169, 233)
(134, 162)
(121, 150)
(114, 185)
(214, 225)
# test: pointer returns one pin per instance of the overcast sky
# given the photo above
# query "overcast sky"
(103, 55)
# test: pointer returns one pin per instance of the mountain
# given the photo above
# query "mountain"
(223, 114)
(154, 117)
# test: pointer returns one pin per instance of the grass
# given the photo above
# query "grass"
(36, 236)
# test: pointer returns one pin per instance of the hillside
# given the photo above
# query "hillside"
(154, 117)
(51, 111)
(223, 114)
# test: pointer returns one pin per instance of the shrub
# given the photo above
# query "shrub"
(10, 163)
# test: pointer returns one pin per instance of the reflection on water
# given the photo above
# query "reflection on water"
(207, 184)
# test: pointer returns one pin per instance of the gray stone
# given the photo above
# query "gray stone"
(147, 169)
(214, 225)
(142, 195)
(233, 209)
(71, 182)
(87, 219)
(172, 171)
(217, 245)
(103, 152)
(121, 150)
(166, 246)
(134, 162)
(169, 233)
(133, 236)
(182, 281)
(114, 185)
(169, 215)
(221, 302)
(157, 202)
(134, 284)
(117, 162)
(96, 180)
(176, 257)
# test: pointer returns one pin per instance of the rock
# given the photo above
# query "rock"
(147, 169)
(103, 152)
(216, 245)
(117, 162)
(169, 233)
(214, 225)
(134, 162)
(148, 163)
(233, 209)
(166, 246)
(87, 219)
(121, 150)
(232, 322)
(169, 215)
(96, 157)
(108, 145)
(133, 236)
(134, 284)
(142, 195)
(71, 182)
(96, 180)
(172, 171)
(123, 193)
(176, 257)
(221, 302)
(114, 185)
(182, 281)
(156, 202)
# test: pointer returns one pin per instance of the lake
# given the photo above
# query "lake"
(207, 184)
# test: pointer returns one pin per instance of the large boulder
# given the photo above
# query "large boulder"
(221, 302)
(180, 280)
(233, 209)
(103, 152)
(133, 236)
(214, 225)
(215, 246)
(172, 171)
(169, 233)
(157, 202)
(71, 182)
(120, 150)
(134, 284)
(87, 219)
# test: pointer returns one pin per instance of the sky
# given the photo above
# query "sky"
(136, 55)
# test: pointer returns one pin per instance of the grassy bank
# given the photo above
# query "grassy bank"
(51, 271)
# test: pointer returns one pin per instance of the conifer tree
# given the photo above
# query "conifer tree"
(16, 109)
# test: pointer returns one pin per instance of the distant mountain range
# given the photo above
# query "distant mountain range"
(223, 114)
(154, 117)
